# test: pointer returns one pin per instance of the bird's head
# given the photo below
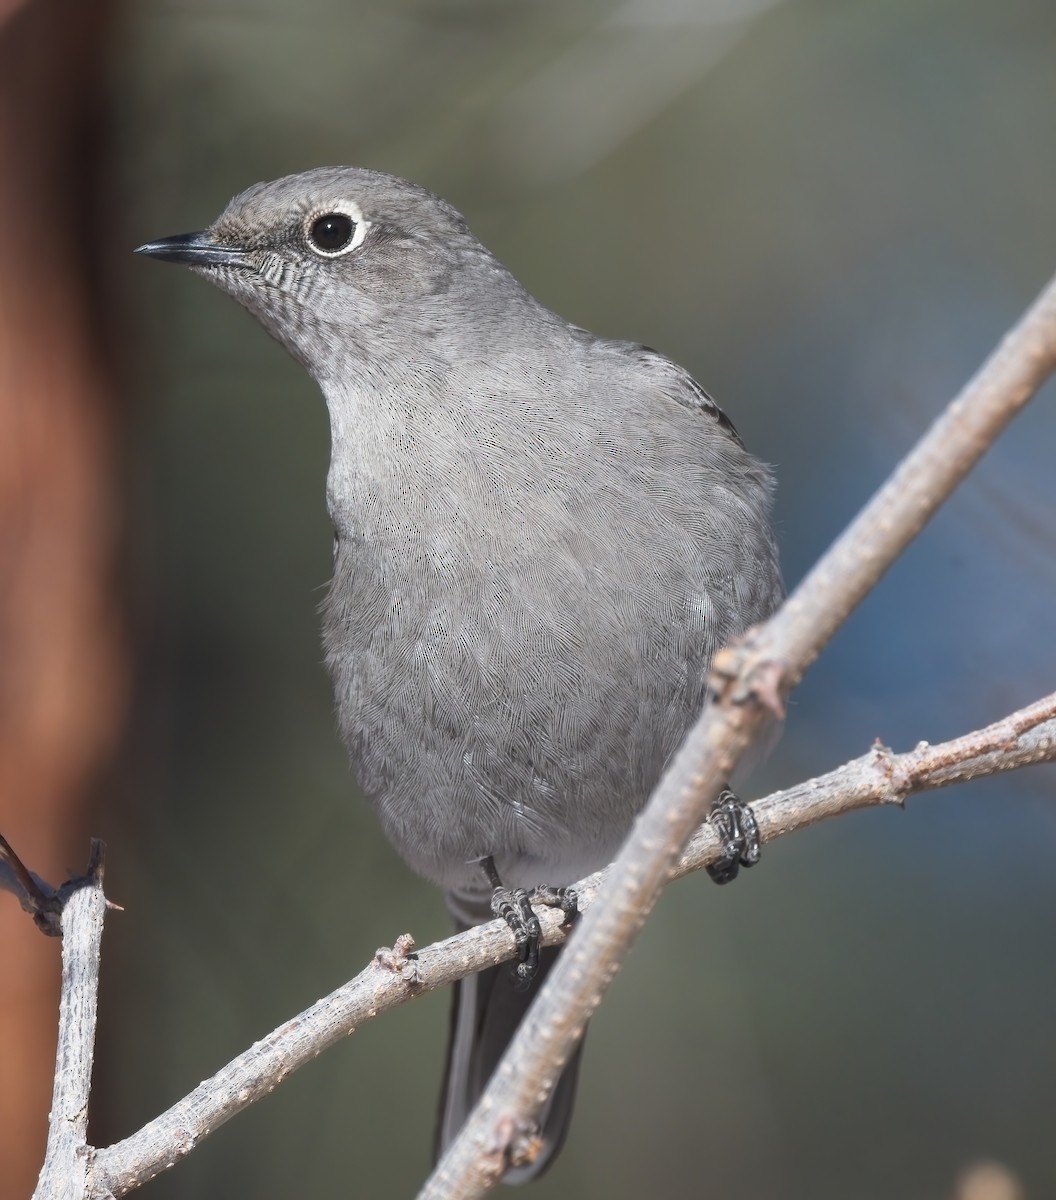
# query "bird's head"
(338, 261)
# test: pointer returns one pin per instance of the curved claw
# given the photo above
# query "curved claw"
(514, 906)
(738, 832)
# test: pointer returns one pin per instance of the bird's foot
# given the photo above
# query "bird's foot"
(738, 832)
(514, 906)
(565, 898)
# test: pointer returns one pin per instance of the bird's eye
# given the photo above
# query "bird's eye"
(332, 233)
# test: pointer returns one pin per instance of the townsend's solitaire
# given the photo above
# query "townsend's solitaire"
(541, 538)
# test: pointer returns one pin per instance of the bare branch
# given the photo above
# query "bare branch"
(64, 1174)
(750, 682)
(750, 679)
(35, 896)
(1022, 739)
(398, 975)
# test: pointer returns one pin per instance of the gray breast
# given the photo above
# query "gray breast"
(520, 621)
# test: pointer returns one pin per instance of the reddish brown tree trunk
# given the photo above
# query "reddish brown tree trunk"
(62, 661)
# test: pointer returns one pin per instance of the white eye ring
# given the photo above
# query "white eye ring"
(335, 230)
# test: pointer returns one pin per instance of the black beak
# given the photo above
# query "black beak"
(196, 250)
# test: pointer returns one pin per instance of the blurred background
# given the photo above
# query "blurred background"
(828, 212)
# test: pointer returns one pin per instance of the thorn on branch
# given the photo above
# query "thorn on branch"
(525, 1147)
(37, 897)
(883, 757)
(765, 684)
(516, 1143)
(400, 959)
(738, 675)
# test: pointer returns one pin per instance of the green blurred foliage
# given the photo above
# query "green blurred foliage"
(829, 212)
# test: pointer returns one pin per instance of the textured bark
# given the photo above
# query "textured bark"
(62, 662)
(73, 1170)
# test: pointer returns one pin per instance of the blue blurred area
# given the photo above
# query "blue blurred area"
(828, 212)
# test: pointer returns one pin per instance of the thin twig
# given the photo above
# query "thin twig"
(879, 777)
(397, 976)
(34, 895)
(750, 680)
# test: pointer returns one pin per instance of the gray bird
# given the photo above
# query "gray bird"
(541, 538)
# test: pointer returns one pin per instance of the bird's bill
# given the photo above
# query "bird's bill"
(194, 249)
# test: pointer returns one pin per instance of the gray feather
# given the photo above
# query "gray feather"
(542, 537)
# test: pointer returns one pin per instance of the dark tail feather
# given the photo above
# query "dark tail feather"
(485, 1014)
